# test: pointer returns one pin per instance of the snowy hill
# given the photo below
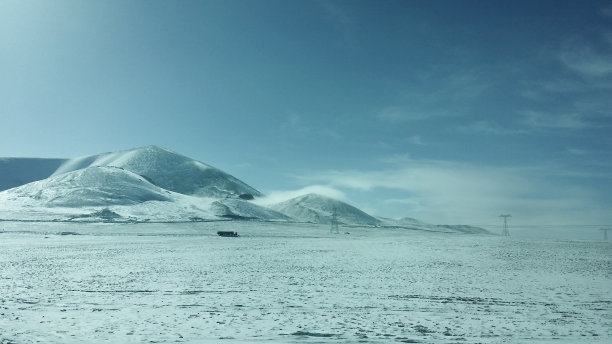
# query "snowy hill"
(155, 184)
(168, 170)
(238, 209)
(91, 186)
(112, 193)
(410, 223)
(319, 209)
(19, 171)
(108, 187)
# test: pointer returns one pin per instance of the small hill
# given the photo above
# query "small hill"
(19, 171)
(411, 223)
(92, 186)
(237, 209)
(319, 209)
(464, 229)
(405, 222)
(168, 170)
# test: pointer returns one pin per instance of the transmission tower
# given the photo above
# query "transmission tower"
(505, 231)
(605, 230)
(334, 223)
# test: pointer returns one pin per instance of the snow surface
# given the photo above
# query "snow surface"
(91, 186)
(167, 170)
(280, 283)
(319, 209)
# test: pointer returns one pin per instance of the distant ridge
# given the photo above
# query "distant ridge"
(155, 184)
(319, 209)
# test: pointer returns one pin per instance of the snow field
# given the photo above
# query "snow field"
(296, 284)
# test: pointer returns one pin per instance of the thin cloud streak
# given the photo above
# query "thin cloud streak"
(452, 192)
(488, 128)
(448, 96)
(543, 120)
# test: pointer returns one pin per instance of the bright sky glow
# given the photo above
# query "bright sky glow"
(445, 111)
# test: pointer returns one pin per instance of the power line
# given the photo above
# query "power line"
(505, 231)
(605, 230)
(334, 223)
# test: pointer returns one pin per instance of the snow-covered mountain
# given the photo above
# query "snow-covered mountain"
(96, 192)
(168, 170)
(155, 184)
(149, 183)
(91, 186)
(319, 209)
(410, 223)
(19, 171)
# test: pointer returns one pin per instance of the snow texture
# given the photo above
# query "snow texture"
(315, 208)
(91, 186)
(281, 283)
(167, 170)
(153, 184)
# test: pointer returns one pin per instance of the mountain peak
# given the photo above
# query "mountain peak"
(317, 208)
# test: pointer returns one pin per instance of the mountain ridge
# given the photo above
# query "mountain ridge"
(316, 208)
(155, 184)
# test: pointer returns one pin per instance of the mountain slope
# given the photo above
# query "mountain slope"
(92, 186)
(168, 170)
(19, 171)
(410, 223)
(232, 208)
(319, 209)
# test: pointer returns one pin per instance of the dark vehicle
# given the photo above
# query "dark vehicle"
(227, 234)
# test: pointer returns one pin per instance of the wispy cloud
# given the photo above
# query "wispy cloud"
(587, 62)
(578, 95)
(335, 13)
(399, 114)
(395, 159)
(436, 96)
(439, 191)
(488, 128)
(607, 11)
(544, 120)
(416, 140)
(576, 151)
(589, 58)
(293, 123)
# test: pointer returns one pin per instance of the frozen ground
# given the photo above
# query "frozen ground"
(296, 284)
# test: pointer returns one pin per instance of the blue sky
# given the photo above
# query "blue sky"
(446, 111)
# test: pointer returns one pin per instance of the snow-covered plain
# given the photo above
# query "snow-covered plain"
(296, 283)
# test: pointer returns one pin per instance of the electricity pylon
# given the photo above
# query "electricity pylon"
(334, 223)
(505, 231)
